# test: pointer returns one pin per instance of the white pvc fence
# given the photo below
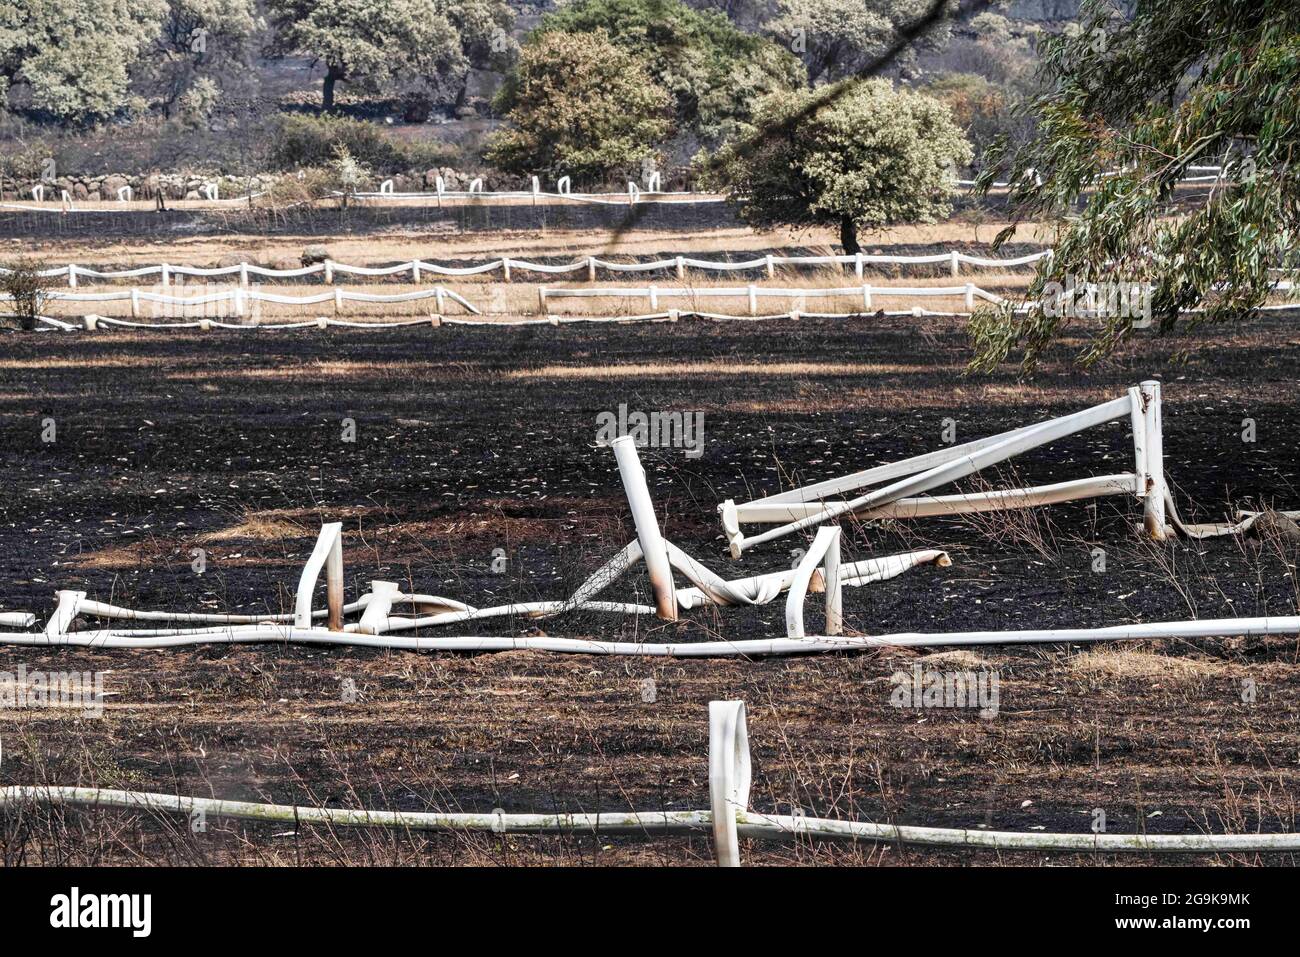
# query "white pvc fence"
(969, 292)
(728, 818)
(904, 482)
(124, 195)
(417, 268)
(240, 298)
(819, 570)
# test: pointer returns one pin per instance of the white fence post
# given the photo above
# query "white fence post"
(328, 553)
(866, 296)
(826, 550)
(753, 300)
(729, 776)
(681, 267)
(653, 550)
(541, 300)
(72, 275)
(970, 295)
(1154, 509)
(955, 263)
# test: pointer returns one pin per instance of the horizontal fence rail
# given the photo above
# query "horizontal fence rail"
(240, 298)
(898, 489)
(866, 292)
(728, 819)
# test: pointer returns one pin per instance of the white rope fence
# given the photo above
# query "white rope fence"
(728, 818)
(508, 267)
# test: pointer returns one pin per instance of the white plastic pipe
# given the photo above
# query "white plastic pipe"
(328, 554)
(729, 776)
(1154, 509)
(653, 551)
(1008, 447)
(825, 547)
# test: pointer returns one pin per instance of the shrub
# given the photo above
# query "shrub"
(27, 289)
(579, 106)
(306, 141)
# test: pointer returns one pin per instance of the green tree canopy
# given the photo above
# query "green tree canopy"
(873, 156)
(72, 57)
(1180, 82)
(715, 72)
(579, 106)
(203, 42)
(433, 43)
(836, 37)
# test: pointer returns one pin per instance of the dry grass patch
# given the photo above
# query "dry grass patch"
(1124, 663)
(258, 527)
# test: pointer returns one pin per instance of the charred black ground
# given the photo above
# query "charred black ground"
(473, 440)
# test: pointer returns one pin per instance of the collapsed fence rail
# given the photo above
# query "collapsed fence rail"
(728, 818)
(378, 619)
(379, 623)
(897, 489)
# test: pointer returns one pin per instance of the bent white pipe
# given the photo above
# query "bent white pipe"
(653, 552)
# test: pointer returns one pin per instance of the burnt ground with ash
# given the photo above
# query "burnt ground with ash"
(473, 440)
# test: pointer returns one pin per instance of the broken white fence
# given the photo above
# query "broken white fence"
(507, 266)
(728, 818)
(379, 624)
(969, 292)
(904, 482)
(819, 570)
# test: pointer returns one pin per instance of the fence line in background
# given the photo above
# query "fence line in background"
(970, 292)
(508, 266)
(241, 297)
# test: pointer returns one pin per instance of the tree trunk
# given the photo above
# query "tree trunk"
(327, 94)
(849, 236)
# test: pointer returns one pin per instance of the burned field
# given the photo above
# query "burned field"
(472, 441)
